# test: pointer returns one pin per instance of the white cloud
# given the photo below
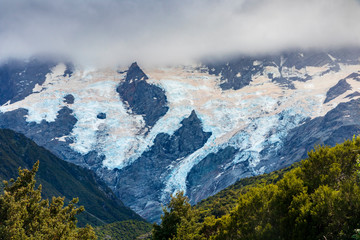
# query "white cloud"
(169, 31)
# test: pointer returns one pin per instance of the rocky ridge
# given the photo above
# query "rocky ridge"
(148, 133)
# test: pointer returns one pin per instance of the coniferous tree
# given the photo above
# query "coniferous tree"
(319, 198)
(25, 215)
(178, 210)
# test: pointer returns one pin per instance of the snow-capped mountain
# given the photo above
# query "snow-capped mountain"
(199, 128)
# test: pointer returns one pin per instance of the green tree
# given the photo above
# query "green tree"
(177, 211)
(25, 215)
(357, 234)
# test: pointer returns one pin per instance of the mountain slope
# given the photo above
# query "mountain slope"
(314, 199)
(60, 178)
(225, 201)
(246, 115)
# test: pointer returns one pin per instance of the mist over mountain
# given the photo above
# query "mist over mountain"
(159, 32)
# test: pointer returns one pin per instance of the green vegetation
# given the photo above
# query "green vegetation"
(24, 215)
(224, 201)
(124, 230)
(357, 234)
(178, 211)
(60, 178)
(316, 199)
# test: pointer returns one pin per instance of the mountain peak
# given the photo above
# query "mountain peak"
(135, 73)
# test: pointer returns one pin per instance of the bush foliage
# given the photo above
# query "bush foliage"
(25, 215)
(124, 230)
(316, 199)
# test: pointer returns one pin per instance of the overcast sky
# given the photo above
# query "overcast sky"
(113, 32)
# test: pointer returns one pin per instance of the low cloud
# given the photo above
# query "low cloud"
(117, 32)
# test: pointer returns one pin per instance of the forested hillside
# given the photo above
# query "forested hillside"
(318, 198)
(25, 215)
(60, 178)
(125, 230)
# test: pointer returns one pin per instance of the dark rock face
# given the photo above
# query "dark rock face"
(237, 73)
(229, 72)
(101, 116)
(303, 59)
(337, 125)
(139, 185)
(348, 55)
(134, 73)
(18, 78)
(341, 87)
(217, 170)
(93, 160)
(143, 98)
(69, 70)
(352, 95)
(45, 133)
(354, 75)
(204, 178)
(69, 99)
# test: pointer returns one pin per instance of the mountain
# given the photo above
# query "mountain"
(60, 178)
(200, 128)
(314, 199)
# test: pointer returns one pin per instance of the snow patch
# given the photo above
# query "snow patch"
(249, 119)
(252, 119)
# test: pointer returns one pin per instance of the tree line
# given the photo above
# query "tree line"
(318, 199)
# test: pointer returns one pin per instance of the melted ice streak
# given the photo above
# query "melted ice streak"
(248, 119)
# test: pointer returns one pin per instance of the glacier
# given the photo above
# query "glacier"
(254, 118)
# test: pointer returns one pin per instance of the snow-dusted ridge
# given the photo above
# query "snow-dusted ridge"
(224, 113)
(256, 117)
(248, 119)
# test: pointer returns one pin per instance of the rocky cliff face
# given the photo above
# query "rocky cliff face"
(143, 180)
(18, 78)
(150, 132)
(142, 98)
